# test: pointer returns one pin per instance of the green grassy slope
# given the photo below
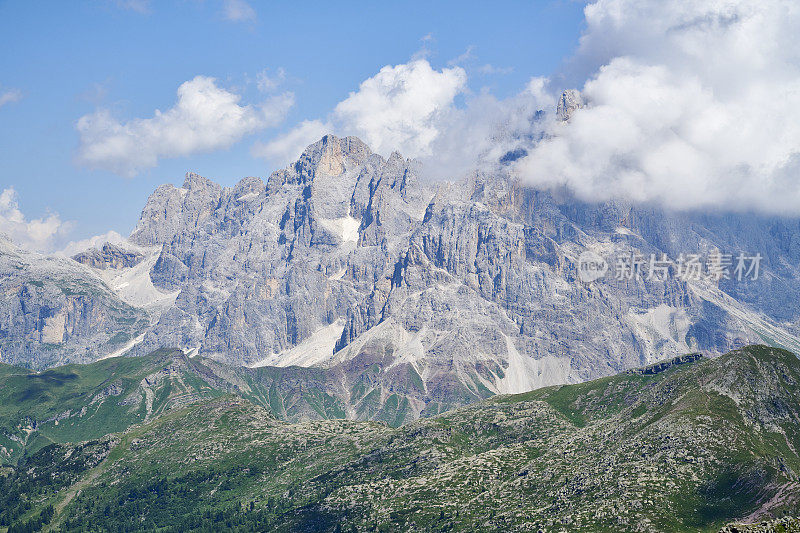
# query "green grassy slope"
(689, 448)
(80, 402)
(76, 403)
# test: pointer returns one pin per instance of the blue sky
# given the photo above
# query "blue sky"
(691, 105)
(64, 60)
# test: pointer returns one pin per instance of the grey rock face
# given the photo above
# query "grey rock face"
(109, 256)
(471, 288)
(54, 310)
(262, 267)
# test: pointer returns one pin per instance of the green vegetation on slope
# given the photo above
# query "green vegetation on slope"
(689, 448)
(76, 403)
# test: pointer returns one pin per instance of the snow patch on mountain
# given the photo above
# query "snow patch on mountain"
(315, 349)
(346, 228)
(134, 286)
(525, 373)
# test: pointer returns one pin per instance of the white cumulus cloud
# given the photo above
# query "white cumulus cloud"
(689, 104)
(47, 234)
(205, 118)
(267, 82)
(139, 6)
(401, 108)
(39, 234)
(479, 133)
(74, 247)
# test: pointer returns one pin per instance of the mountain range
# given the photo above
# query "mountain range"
(426, 295)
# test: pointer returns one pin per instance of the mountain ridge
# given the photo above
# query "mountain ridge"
(347, 259)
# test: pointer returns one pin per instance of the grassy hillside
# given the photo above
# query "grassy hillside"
(80, 402)
(678, 447)
(76, 403)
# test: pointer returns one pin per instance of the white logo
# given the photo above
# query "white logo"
(591, 266)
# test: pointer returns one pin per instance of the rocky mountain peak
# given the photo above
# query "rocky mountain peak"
(570, 101)
(6, 244)
(168, 210)
(198, 184)
(331, 162)
(332, 154)
(191, 178)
